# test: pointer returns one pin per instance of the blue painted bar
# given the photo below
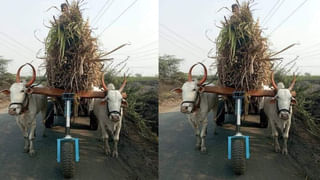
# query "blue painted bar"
(247, 145)
(76, 145)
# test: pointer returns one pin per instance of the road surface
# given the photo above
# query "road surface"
(14, 164)
(179, 160)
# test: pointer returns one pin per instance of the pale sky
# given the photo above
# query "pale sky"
(183, 24)
(138, 25)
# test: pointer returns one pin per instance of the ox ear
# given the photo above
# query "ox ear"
(29, 90)
(124, 103)
(177, 90)
(103, 102)
(6, 92)
(124, 95)
(201, 89)
(272, 101)
(293, 101)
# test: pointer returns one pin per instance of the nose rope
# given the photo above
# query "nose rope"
(195, 106)
(110, 112)
(283, 109)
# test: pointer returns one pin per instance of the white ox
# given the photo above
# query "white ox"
(278, 109)
(109, 112)
(197, 104)
(25, 106)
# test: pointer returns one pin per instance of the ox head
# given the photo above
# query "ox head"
(18, 92)
(283, 98)
(191, 91)
(115, 99)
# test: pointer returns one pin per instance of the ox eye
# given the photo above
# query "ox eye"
(22, 91)
(193, 89)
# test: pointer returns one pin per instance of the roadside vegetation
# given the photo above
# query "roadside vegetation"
(169, 77)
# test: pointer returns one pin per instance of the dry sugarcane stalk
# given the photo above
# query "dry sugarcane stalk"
(72, 54)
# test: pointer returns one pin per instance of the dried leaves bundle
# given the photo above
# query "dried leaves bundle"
(72, 52)
(243, 58)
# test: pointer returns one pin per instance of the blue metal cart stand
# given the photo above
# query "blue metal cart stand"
(238, 145)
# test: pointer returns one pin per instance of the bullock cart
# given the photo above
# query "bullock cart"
(68, 146)
(238, 144)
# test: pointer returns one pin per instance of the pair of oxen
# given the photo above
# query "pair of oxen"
(26, 104)
(199, 99)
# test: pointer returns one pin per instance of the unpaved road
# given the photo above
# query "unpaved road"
(14, 164)
(179, 160)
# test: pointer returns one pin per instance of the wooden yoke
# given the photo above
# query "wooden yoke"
(228, 91)
(58, 92)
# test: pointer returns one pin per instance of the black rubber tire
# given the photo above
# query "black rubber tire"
(67, 159)
(238, 158)
(49, 115)
(93, 121)
(220, 113)
(263, 119)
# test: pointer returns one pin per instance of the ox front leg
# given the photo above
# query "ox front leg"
(105, 140)
(275, 137)
(24, 131)
(104, 136)
(285, 138)
(196, 129)
(31, 138)
(26, 144)
(116, 140)
(203, 135)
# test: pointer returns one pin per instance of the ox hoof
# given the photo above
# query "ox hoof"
(203, 150)
(284, 151)
(198, 147)
(107, 152)
(115, 154)
(277, 149)
(32, 153)
(25, 150)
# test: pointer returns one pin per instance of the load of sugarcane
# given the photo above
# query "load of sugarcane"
(73, 60)
(243, 57)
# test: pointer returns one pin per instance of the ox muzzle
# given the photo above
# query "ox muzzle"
(114, 116)
(15, 110)
(283, 113)
(188, 107)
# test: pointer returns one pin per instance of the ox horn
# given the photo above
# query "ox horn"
(293, 82)
(103, 83)
(18, 80)
(205, 73)
(123, 83)
(272, 81)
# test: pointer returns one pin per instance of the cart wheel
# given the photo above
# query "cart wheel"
(220, 113)
(238, 158)
(49, 115)
(93, 121)
(67, 157)
(263, 119)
